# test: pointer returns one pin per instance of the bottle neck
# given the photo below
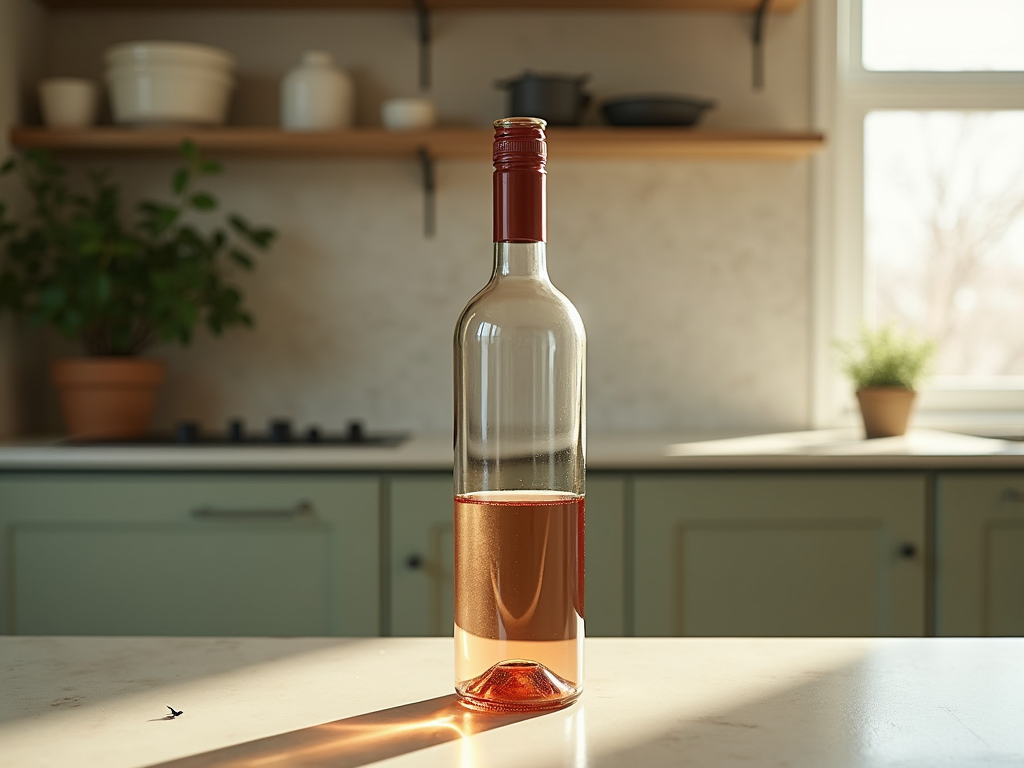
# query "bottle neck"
(520, 203)
(520, 199)
(521, 260)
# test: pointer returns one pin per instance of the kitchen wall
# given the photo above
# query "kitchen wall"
(693, 278)
(21, 44)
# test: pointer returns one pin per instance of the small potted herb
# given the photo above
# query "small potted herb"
(120, 284)
(886, 367)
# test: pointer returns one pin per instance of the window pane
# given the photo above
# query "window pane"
(943, 35)
(944, 233)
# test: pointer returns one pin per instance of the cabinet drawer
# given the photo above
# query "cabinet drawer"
(191, 554)
(171, 579)
(149, 497)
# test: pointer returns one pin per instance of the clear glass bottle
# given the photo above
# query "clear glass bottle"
(520, 444)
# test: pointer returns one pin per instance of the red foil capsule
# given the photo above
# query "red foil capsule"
(520, 180)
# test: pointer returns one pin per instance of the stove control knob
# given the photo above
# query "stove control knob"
(186, 432)
(355, 432)
(236, 430)
(280, 431)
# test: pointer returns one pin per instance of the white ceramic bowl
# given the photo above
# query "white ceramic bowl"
(165, 52)
(408, 114)
(168, 95)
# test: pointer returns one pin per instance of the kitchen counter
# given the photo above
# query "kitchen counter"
(87, 702)
(815, 449)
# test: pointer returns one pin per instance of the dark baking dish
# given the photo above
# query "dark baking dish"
(654, 110)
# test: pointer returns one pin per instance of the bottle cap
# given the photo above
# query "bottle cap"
(520, 153)
(519, 144)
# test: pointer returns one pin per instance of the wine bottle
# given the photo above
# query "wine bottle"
(520, 447)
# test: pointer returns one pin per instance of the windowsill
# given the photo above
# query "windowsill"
(1006, 425)
(998, 424)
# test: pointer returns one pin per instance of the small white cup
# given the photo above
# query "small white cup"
(68, 102)
(408, 114)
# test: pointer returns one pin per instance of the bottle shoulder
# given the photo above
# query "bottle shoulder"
(514, 295)
(526, 303)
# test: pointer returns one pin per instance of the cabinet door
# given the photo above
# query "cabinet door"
(422, 555)
(980, 554)
(779, 555)
(192, 554)
(605, 570)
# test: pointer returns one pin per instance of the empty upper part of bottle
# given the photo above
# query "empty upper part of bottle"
(520, 343)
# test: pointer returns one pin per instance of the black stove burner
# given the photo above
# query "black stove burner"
(279, 432)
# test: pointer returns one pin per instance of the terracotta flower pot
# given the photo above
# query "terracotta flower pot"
(106, 398)
(885, 410)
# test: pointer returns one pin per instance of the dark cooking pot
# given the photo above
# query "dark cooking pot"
(559, 99)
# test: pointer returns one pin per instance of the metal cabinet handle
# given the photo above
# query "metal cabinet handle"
(908, 550)
(302, 509)
(1013, 496)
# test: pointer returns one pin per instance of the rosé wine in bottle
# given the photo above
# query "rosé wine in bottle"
(520, 446)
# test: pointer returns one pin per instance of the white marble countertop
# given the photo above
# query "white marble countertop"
(814, 449)
(814, 703)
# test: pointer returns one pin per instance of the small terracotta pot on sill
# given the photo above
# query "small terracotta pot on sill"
(885, 410)
(107, 398)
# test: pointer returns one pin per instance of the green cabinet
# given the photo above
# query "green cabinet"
(605, 568)
(421, 567)
(189, 554)
(980, 554)
(422, 549)
(801, 554)
(668, 553)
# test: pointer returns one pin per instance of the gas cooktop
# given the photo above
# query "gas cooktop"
(279, 432)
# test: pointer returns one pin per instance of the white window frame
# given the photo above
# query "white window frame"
(844, 93)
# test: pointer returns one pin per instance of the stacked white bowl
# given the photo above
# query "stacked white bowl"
(169, 83)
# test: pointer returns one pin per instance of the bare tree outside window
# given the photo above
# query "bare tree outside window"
(944, 233)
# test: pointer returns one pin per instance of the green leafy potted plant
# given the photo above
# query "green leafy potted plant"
(886, 366)
(119, 284)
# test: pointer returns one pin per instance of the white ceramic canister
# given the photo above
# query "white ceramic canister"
(316, 95)
(68, 102)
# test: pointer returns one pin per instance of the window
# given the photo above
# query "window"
(942, 35)
(944, 233)
(926, 117)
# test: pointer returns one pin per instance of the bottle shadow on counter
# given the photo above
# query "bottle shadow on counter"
(360, 740)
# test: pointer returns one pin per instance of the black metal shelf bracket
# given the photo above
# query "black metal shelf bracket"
(757, 39)
(429, 187)
(423, 23)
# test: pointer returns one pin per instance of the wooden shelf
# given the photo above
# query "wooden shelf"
(723, 6)
(441, 143)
